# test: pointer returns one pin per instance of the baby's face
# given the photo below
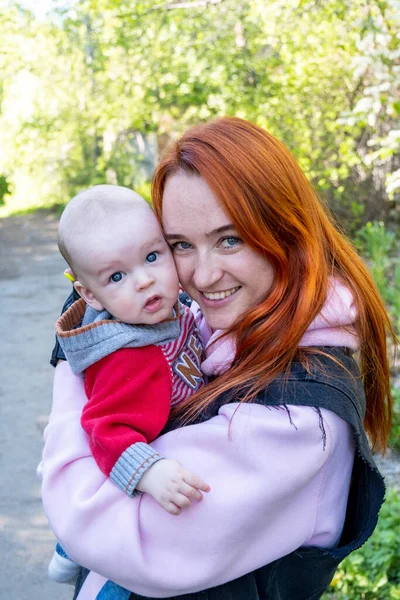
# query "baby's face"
(129, 269)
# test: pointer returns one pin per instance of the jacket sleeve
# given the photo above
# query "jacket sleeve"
(129, 401)
(265, 474)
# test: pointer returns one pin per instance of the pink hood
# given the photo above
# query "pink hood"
(333, 326)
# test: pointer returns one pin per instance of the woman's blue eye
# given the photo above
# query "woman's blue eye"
(181, 246)
(152, 257)
(231, 241)
(116, 276)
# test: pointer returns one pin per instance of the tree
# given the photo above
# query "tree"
(113, 80)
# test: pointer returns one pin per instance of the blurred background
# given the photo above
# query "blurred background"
(91, 91)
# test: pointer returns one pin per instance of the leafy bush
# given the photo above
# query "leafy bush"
(373, 571)
(379, 246)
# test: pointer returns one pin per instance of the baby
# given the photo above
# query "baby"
(137, 345)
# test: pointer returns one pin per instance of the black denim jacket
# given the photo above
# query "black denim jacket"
(306, 573)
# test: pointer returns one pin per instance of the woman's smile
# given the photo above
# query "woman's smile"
(220, 295)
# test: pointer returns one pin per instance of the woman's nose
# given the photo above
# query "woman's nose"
(144, 280)
(207, 271)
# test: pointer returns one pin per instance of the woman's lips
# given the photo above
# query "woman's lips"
(153, 304)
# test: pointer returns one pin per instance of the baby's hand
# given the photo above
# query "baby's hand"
(172, 486)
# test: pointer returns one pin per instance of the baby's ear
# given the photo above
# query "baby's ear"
(87, 295)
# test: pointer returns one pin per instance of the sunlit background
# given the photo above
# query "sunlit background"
(92, 90)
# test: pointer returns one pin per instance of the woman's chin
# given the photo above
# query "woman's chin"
(216, 319)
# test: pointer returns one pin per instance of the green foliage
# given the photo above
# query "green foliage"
(4, 188)
(377, 243)
(375, 110)
(77, 90)
(373, 571)
(394, 441)
(379, 246)
(144, 189)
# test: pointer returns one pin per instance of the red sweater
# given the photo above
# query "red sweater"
(129, 395)
(130, 392)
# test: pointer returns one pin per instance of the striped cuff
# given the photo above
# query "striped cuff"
(132, 465)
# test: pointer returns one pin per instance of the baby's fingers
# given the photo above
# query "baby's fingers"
(182, 501)
(195, 481)
(190, 492)
(172, 508)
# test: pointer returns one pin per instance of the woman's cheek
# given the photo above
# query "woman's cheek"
(184, 269)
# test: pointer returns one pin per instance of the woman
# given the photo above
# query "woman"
(280, 431)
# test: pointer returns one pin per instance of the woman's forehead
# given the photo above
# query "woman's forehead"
(190, 206)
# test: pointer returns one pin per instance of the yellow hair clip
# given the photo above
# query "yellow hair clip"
(69, 277)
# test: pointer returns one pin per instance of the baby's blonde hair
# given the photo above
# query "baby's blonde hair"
(89, 209)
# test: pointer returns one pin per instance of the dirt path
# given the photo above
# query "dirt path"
(32, 290)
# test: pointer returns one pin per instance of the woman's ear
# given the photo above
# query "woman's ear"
(87, 295)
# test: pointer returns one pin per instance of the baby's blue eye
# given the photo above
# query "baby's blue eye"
(116, 276)
(152, 257)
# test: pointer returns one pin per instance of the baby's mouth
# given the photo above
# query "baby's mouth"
(153, 303)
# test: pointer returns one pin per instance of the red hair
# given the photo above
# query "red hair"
(276, 212)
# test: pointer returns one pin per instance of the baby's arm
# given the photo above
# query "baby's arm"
(129, 395)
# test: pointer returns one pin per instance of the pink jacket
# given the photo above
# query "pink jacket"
(273, 488)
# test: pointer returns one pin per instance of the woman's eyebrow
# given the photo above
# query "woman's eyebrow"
(223, 229)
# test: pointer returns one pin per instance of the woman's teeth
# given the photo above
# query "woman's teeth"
(220, 295)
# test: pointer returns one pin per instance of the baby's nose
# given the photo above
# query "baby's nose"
(144, 280)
